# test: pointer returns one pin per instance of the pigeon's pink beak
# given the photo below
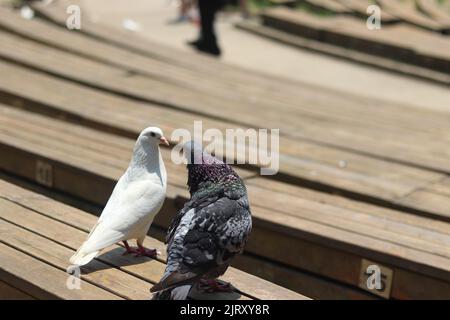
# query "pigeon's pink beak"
(163, 140)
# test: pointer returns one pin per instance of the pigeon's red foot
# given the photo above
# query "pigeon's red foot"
(140, 251)
(212, 285)
(152, 253)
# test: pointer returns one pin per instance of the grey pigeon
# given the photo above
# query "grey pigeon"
(211, 228)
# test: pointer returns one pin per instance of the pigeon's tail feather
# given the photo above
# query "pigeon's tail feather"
(175, 279)
(177, 293)
(180, 293)
(99, 238)
(80, 258)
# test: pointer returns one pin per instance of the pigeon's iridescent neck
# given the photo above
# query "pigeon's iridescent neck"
(210, 172)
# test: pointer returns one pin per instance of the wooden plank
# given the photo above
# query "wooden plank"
(375, 211)
(268, 109)
(56, 143)
(59, 139)
(68, 227)
(38, 133)
(406, 11)
(360, 7)
(311, 285)
(329, 5)
(344, 53)
(349, 266)
(396, 124)
(315, 238)
(356, 217)
(42, 280)
(429, 198)
(56, 13)
(57, 255)
(99, 272)
(8, 292)
(132, 62)
(435, 11)
(299, 158)
(399, 42)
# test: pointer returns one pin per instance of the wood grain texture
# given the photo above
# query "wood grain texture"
(360, 8)
(406, 11)
(435, 11)
(399, 42)
(51, 232)
(41, 280)
(299, 159)
(321, 226)
(369, 149)
(329, 5)
(268, 103)
(8, 292)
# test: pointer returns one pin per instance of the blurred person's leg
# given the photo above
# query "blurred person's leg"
(207, 41)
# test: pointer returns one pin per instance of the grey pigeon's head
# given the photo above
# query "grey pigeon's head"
(203, 167)
(195, 154)
(153, 135)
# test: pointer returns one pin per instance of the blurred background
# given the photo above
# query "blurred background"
(274, 54)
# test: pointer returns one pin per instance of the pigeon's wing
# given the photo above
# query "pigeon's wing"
(131, 208)
(198, 201)
(115, 198)
(206, 238)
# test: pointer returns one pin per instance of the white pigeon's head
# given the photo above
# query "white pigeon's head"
(154, 135)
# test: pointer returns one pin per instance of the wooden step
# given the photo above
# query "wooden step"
(310, 285)
(435, 11)
(285, 111)
(329, 5)
(301, 161)
(360, 8)
(331, 234)
(344, 53)
(38, 236)
(132, 42)
(406, 11)
(398, 42)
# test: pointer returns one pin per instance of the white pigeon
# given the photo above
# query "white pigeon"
(136, 199)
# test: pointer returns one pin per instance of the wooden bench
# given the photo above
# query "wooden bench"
(310, 157)
(398, 42)
(329, 5)
(295, 229)
(435, 11)
(360, 8)
(38, 236)
(267, 95)
(344, 53)
(314, 242)
(406, 11)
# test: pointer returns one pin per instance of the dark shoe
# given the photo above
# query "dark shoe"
(209, 48)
